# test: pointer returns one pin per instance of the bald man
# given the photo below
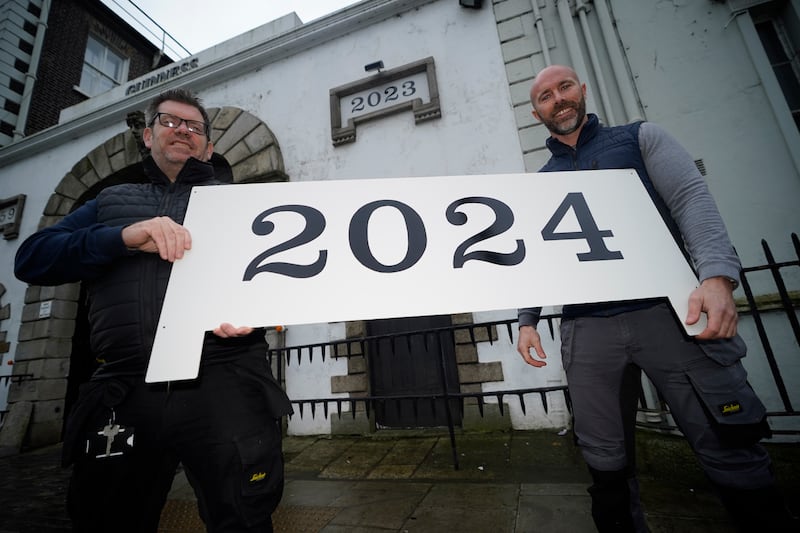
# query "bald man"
(605, 346)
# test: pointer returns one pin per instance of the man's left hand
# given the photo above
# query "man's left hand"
(714, 297)
(226, 331)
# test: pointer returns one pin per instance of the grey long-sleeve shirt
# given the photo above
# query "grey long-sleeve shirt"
(679, 183)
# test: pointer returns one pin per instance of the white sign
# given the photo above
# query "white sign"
(330, 251)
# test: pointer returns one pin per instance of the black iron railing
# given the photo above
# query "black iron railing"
(787, 303)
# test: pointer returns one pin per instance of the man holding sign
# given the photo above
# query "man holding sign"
(127, 437)
(605, 346)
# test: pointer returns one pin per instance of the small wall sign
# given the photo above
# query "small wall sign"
(11, 215)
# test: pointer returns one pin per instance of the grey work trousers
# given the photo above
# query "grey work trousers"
(603, 358)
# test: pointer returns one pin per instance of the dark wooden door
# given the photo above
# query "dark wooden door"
(412, 365)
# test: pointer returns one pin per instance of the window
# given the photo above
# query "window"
(782, 47)
(103, 69)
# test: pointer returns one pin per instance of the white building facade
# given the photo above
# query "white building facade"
(281, 94)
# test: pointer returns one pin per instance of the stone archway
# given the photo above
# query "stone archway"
(49, 316)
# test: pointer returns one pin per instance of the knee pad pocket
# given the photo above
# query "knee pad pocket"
(261, 474)
(733, 409)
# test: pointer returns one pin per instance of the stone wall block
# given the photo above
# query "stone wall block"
(480, 373)
(259, 138)
(523, 116)
(356, 365)
(48, 411)
(117, 161)
(511, 8)
(30, 312)
(55, 368)
(35, 367)
(533, 138)
(116, 144)
(466, 353)
(349, 383)
(24, 391)
(355, 328)
(68, 291)
(237, 153)
(47, 221)
(52, 207)
(519, 48)
(71, 187)
(81, 167)
(520, 70)
(510, 29)
(40, 348)
(225, 117)
(52, 328)
(33, 293)
(99, 160)
(255, 166)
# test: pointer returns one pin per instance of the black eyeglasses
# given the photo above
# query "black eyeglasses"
(198, 127)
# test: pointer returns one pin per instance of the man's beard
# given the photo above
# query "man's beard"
(565, 128)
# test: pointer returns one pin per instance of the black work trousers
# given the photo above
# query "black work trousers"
(219, 427)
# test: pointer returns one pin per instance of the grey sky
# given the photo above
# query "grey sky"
(202, 24)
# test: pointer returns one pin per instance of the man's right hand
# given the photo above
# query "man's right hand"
(160, 235)
(529, 338)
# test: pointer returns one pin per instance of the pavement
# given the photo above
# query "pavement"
(406, 481)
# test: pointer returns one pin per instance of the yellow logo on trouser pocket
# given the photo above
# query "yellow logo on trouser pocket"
(258, 476)
(730, 408)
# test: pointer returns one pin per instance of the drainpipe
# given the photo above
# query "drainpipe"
(582, 9)
(539, 24)
(573, 46)
(30, 76)
(614, 46)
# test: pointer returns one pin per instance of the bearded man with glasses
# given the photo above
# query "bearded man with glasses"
(125, 438)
